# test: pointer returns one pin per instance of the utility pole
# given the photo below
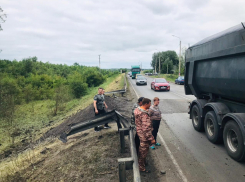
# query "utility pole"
(159, 66)
(179, 55)
(179, 51)
(155, 64)
(99, 61)
(155, 68)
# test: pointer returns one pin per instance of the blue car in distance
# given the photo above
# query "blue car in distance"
(180, 80)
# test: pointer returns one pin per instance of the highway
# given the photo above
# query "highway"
(183, 149)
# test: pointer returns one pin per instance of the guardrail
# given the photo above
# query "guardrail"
(122, 91)
(123, 163)
(130, 163)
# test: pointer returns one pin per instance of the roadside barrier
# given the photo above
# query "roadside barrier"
(130, 163)
(122, 91)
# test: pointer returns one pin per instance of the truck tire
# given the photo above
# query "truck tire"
(234, 142)
(212, 129)
(196, 118)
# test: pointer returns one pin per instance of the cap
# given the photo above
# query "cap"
(140, 99)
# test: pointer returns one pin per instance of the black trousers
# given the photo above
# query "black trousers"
(137, 143)
(156, 124)
(99, 113)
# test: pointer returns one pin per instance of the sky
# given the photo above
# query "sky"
(123, 32)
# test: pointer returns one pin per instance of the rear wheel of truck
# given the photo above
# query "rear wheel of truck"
(212, 129)
(233, 140)
(196, 118)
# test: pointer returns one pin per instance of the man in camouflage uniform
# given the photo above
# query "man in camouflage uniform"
(99, 106)
(137, 140)
(144, 130)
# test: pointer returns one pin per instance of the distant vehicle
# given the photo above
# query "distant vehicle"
(135, 70)
(141, 80)
(138, 75)
(160, 84)
(214, 73)
(180, 80)
(129, 74)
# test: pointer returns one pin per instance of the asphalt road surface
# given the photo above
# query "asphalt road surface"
(184, 149)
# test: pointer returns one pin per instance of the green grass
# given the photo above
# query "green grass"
(36, 116)
(121, 84)
(168, 77)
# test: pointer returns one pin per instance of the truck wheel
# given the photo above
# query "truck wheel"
(234, 142)
(196, 118)
(212, 129)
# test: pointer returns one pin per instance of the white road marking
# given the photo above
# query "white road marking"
(168, 150)
(173, 159)
(134, 89)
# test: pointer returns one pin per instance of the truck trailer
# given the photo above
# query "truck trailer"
(215, 74)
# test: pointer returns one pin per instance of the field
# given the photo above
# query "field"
(35, 118)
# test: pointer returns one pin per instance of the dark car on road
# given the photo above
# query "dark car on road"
(160, 84)
(180, 80)
(141, 80)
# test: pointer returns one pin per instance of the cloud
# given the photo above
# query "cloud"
(123, 32)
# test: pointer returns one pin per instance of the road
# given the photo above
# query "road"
(191, 154)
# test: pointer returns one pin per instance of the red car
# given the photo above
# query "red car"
(160, 84)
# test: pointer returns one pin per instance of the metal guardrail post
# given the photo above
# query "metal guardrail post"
(123, 132)
(123, 165)
(134, 156)
(122, 141)
(122, 171)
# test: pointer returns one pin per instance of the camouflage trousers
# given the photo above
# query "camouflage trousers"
(143, 151)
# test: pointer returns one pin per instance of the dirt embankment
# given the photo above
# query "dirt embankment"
(121, 104)
(87, 156)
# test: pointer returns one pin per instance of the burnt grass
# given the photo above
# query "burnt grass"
(92, 156)
(121, 104)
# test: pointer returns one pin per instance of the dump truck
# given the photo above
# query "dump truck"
(215, 75)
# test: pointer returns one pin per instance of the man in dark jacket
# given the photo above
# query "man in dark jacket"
(99, 105)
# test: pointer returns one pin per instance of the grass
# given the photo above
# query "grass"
(36, 118)
(14, 166)
(168, 77)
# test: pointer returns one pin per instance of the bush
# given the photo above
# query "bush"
(78, 87)
(95, 79)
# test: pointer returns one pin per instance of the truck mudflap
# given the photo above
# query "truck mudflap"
(239, 118)
(219, 108)
(200, 103)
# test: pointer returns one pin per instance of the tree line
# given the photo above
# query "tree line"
(169, 62)
(31, 80)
